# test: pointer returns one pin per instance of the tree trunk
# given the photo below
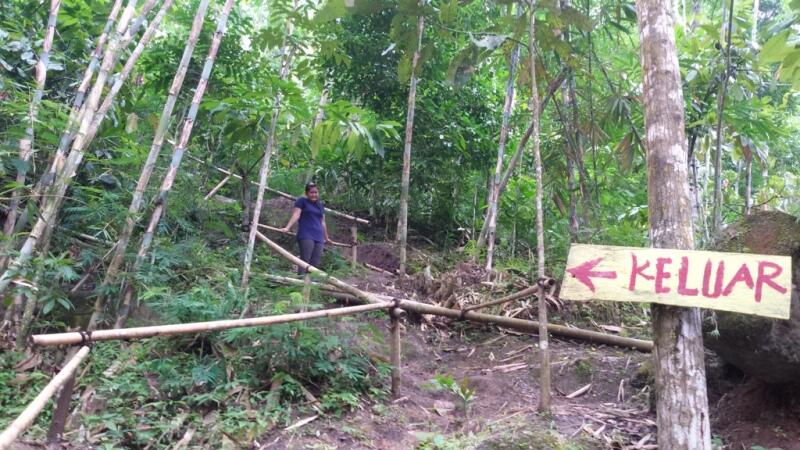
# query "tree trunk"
(523, 142)
(402, 227)
(323, 100)
(682, 404)
(155, 149)
(246, 203)
(544, 344)
(494, 193)
(263, 174)
(716, 218)
(26, 143)
(754, 29)
(177, 156)
(748, 187)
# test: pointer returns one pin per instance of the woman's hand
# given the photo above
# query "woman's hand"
(285, 230)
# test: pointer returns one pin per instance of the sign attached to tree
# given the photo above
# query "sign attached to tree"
(737, 282)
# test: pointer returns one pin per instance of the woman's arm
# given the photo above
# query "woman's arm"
(325, 230)
(292, 220)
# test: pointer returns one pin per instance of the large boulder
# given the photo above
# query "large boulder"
(766, 349)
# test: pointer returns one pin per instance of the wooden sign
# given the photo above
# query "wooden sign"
(737, 282)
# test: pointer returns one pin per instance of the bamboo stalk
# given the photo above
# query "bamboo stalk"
(291, 233)
(85, 106)
(186, 131)
(366, 296)
(528, 291)
(263, 173)
(95, 114)
(279, 193)
(505, 322)
(26, 143)
(73, 338)
(217, 187)
(26, 418)
(544, 326)
(402, 226)
(155, 149)
(50, 209)
(177, 153)
(494, 193)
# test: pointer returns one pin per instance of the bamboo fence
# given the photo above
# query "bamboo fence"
(72, 338)
(528, 326)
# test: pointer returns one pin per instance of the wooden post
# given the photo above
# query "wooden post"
(24, 420)
(354, 235)
(394, 343)
(306, 291)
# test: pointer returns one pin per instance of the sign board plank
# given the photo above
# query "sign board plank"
(736, 282)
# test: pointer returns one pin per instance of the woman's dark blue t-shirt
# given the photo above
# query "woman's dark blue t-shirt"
(310, 223)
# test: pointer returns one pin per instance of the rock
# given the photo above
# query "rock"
(765, 349)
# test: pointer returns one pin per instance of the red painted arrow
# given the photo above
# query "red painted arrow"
(584, 273)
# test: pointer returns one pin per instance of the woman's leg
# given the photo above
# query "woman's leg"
(306, 252)
(316, 254)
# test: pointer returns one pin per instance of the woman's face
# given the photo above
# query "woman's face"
(313, 194)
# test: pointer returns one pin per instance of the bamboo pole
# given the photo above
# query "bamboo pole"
(494, 193)
(402, 226)
(263, 173)
(177, 156)
(291, 233)
(394, 328)
(50, 209)
(528, 326)
(217, 187)
(73, 338)
(155, 149)
(280, 193)
(366, 296)
(25, 420)
(85, 106)
(544, 350)
(528, 291)
(26, 143)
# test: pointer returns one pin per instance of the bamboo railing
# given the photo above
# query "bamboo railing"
(26, 418)
(73, 338)
(529, 326)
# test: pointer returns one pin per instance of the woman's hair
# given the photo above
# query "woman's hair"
(309, 186)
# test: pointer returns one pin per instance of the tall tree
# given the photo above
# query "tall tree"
(49, 210)
(494, 193)
(682, 404)
(544, 344)
(131, 219)
(402, 228)
(177, 157)
(263, 174)
(716, 218)
(26, 143)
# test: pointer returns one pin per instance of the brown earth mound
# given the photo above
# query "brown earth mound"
(379, 254)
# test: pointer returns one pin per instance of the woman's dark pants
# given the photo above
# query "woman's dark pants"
(310, 252)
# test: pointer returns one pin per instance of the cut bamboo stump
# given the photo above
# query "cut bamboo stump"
(199, 327)
(21, 423)
(528, 326)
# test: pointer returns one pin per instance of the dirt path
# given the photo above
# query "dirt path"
(502, 371)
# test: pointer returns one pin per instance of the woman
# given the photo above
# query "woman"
(312, 233)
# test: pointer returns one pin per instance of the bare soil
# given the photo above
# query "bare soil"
(502, 369)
